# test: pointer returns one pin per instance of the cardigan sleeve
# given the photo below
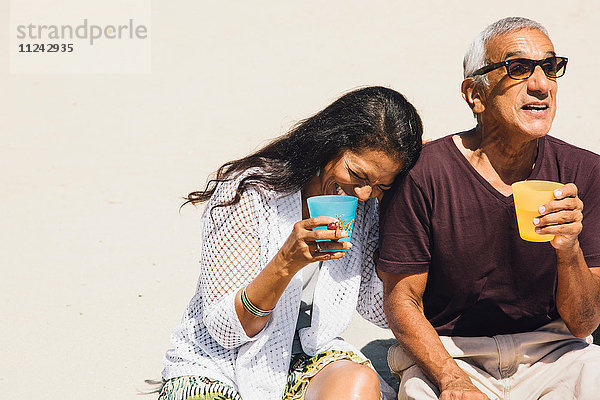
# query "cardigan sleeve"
(230, 260)
(370, 296)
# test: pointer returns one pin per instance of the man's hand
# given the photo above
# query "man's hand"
(578, 286)
(403, 306)
(562, 217)
(462, 390)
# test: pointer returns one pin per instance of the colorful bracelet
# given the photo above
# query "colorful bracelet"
(251, 308)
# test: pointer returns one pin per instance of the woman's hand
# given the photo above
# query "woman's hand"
(299, 250)
(562, 217)
(301, 247)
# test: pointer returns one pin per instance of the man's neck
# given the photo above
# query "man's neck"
(497, 157)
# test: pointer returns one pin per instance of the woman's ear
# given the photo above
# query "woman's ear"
(473, 95)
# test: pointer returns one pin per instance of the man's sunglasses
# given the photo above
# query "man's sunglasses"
(522, 68)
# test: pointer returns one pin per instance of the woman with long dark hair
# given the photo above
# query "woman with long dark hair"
(270, 303)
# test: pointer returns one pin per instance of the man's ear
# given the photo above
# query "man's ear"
(473, 95)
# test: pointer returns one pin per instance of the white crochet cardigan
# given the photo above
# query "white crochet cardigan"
(237, 242)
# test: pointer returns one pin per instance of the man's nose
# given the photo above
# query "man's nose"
(538, 81)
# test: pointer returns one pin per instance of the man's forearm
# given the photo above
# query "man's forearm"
(577, 293)
(578, 288)
(403, 306)
(422, 343)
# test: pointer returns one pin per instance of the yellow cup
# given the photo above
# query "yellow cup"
(528, 197)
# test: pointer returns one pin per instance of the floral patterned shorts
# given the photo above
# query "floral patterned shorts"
(197, 388)
(302, 368)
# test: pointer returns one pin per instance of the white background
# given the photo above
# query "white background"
(97, 264)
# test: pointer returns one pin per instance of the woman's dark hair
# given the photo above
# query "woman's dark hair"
(373, 118)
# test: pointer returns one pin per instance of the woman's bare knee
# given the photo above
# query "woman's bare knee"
(344, 379)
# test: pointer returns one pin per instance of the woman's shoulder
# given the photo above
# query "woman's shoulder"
(227, 189)
(248, 204)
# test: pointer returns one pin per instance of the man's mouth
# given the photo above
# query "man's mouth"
(535, 107)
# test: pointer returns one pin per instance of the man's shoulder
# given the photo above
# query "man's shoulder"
(437, 145)
(565, 146)
(436, 156)
(571, 154)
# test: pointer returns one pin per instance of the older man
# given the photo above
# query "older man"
(478, 312)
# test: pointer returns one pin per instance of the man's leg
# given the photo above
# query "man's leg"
(549, 363)
(414, 385)
(574, 375)
(471, 354)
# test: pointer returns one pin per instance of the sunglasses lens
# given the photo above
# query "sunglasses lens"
(550, 67)
(520, 68)
(561, 66)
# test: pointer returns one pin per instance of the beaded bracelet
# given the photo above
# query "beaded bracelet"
(251, 308)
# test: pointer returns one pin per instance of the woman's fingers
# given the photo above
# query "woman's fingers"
(329, 256)
(311, 223)
(320, 251)
(301, 247)
(330, 231)
(323, 234)
(332, 246)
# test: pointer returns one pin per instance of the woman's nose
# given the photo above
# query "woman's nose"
(364, 193)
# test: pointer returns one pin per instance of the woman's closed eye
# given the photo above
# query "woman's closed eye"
(355, 175)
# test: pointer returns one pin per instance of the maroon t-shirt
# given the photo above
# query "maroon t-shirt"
(446, 219)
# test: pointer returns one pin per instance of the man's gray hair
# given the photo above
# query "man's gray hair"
(476, 56)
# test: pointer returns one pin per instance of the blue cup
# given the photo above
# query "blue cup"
(342, 208)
